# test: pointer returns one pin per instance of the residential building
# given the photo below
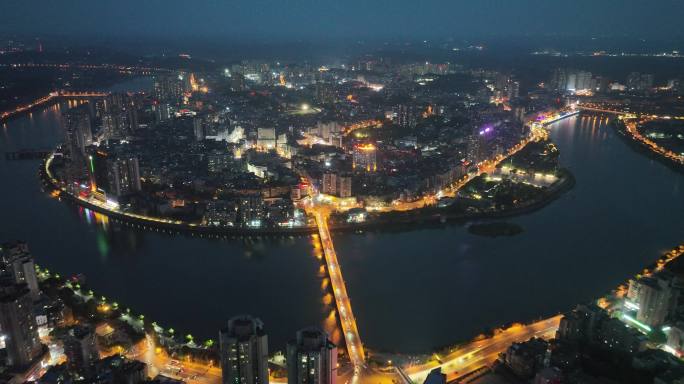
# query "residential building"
(244, 351)
(18, 324)
(654, 300)
(311, 358)
(329, 184)
(344, 185)
(78, 131)
(365, 157)
(527, 358)
(18, 266)
(80, 347)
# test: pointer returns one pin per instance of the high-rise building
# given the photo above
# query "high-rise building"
(365, 157)
(655, 300)
(639, 81)
(405, 115)
(244, 351)
(126, 175)
(501, 81)
(115, 102)
(324, 93)
(163, 112)
(115, 124)
(188, 82)
(327, 129)
(219, 161)
(512, 90)
(614, 335)
(580, 324)
(80, 347)
(237, 82)
(19, 267)
(329, 184)
(559, 80)
(98, 165)
(478, 146)
(583, 81)
(198, 129)
(168, 88)
(78, 131)
(675, 338)
(344, 185)
(266, 138)
(220, 213)
(133, 122)
(119, 369)
(114, 175)
(311, 358)
(251, 210)
(18, 324)
(336, 184)
(119, 116)
(571, 80)
(571, 84)
(527, 358)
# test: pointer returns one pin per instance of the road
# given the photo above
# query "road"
(632, 122)
(480, 353)
(344, 309)
(158, 362)
(632, 129)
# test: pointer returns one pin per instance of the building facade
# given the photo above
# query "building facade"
(311, 358)
(244, 351)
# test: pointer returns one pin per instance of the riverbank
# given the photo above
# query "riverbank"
(456, 364)
(642, 148)
(161, 224)
(438, 217)
(428, 217)
(415, 365)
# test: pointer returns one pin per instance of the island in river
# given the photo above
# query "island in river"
(495, 229)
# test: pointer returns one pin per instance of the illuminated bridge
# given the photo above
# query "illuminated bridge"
(600, 109)
(50, 97)
(81, 94)
(351, 333)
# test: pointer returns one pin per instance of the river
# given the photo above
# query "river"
(411, 290)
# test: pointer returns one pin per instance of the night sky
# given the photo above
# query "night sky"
(359, 19)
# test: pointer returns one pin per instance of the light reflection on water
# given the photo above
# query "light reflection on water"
(438, 286)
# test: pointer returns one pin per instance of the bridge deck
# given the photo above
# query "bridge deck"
(344, 309)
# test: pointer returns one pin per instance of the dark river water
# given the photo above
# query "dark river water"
(411, 290)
